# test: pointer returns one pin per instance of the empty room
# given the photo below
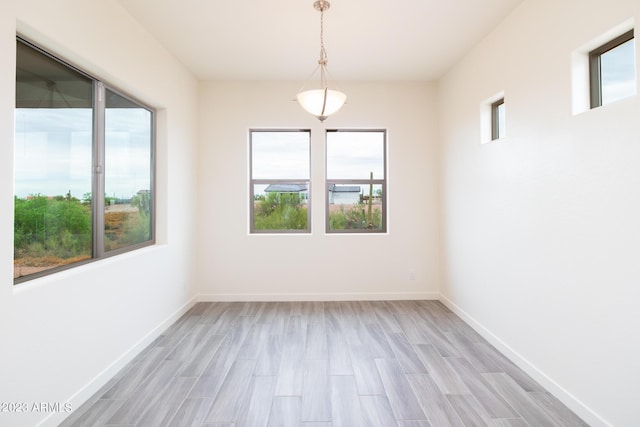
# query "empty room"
(319, 213)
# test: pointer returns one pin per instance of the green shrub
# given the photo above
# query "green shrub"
(57, 227)
(354, 217)
(280, 211)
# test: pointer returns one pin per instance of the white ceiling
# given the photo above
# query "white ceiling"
(280, 39)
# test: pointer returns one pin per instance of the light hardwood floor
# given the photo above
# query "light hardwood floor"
(329, 364)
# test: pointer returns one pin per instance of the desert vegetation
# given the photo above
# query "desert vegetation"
(56, 231)
(288, 211)
(355, 217)
(280, 211)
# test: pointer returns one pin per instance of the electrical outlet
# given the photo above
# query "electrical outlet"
(412, 275)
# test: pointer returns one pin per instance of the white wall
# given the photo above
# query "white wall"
(64, 335)
(236, 265)
(541, 231)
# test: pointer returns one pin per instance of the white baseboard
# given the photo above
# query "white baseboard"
(554, 388)
(374, 296)
(86, 392)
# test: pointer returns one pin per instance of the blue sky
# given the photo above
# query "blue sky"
(53, 151)
(285, 155)
(280, 155)
(618, 72)
(354, 155)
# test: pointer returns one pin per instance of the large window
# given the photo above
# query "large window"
(612, 70)
(83, 167)
(356, 181)
(279, 189)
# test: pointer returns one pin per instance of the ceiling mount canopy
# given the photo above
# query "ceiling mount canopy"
(321, 102)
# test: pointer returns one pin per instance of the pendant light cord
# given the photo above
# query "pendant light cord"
(323, 53)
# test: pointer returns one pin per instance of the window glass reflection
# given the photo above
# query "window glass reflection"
(127, 170)
(618, 72)
(52, 164)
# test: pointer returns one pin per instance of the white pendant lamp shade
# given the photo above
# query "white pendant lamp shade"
(321, 103)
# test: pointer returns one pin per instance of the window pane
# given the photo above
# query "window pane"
(280, 206)
(618, 72)
(280, 172)
(355, 206)
(355, 155)
(128, 173)
(280, 155)
(53, 158)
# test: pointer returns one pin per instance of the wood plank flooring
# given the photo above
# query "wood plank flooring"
(329, 364)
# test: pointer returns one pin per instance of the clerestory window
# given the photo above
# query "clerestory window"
(612, 70)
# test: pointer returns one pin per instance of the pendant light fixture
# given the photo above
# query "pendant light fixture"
(322, 102)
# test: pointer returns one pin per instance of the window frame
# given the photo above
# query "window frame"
(595, 68)
(265, 181)
(495, 119)
(382, 182)
(98, 106)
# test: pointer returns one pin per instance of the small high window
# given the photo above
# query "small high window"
(492, 118)
(280, 166)
(612, 70)
(498, 127)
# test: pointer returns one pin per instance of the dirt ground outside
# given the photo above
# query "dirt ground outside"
(24, 267)
(336, 208)
(19, 271)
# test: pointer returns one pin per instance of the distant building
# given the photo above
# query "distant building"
(344, 194)
(300, 189)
